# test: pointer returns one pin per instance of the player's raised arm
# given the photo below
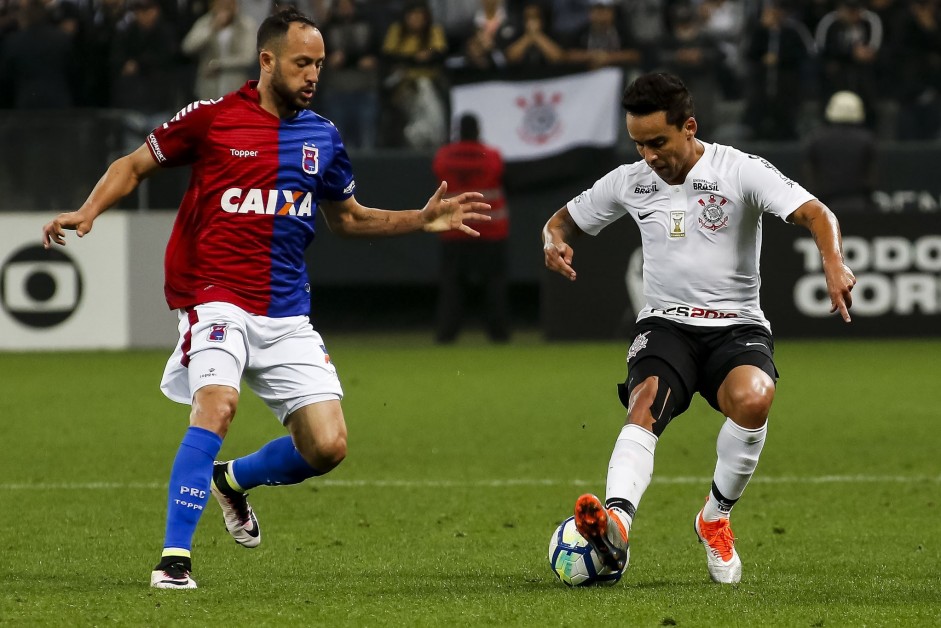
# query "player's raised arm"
(349, 218)
(121, 178)
(556, 236)
(825, 228)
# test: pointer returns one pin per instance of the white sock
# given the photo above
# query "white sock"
(738, 450)
(630, 470)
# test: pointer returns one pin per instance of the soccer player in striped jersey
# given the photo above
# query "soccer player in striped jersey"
(698, 207)
(262, 163)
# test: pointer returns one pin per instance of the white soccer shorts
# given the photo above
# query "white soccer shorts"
(282, 360)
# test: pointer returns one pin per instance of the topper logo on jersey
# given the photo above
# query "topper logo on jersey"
(713, 217)
(310, 159)
(270, 202)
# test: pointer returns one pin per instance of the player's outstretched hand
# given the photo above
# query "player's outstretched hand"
(54, 230)
(840, 282)
(559, 258)
(446, 214)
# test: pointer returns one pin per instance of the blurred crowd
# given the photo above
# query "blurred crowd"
(759, 69)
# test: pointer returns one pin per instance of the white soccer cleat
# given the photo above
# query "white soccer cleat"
(722, 561)
(171, 576)
(239, 517)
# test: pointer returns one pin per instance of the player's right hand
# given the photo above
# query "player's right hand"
(840, 282)
(559, 258)
(54, 230)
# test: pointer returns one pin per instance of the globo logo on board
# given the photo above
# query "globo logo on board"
(40, 287)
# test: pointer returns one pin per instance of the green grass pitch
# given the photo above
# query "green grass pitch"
(462, 461)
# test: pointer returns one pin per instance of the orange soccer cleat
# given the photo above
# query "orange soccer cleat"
(593, 522)
(722, 560)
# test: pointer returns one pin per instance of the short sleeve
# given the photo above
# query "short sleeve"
(338, 180)
(599, 206)
(768, 189)
(177, 141)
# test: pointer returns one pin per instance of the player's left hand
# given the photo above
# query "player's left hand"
(446, 214)
(840, 282)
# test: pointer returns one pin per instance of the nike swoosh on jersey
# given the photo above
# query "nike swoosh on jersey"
(645, 216)
(749, 344)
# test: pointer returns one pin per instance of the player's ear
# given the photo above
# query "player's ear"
(690, 128)
(266, 61)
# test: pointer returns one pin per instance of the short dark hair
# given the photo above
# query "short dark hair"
(277, 24)
(469, 128)
(654, 92)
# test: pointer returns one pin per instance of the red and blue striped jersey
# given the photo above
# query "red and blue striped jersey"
(248, 213)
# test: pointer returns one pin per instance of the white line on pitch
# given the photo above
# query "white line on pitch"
(339, 483)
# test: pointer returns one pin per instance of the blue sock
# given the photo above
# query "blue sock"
(278, 462)
(189, 488)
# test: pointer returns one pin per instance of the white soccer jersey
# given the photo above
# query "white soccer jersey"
(701, 239)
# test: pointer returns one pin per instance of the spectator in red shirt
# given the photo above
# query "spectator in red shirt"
(468, 164)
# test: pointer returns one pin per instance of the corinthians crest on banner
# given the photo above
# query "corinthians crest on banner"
(541, 121)
(527, 120)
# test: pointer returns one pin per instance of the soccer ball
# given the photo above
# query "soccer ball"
(574, 562)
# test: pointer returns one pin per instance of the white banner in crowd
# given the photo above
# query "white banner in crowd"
(529, 120)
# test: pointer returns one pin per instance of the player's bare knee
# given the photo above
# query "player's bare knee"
(333, 451)
(750, 406)
(324, 450)
(325, 453)
(319, 434)
(746, 396)
(214, 408)
(640, 407)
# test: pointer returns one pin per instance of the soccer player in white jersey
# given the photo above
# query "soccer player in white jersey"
(699, 208)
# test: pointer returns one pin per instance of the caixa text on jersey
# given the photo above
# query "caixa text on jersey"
(271, 202)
